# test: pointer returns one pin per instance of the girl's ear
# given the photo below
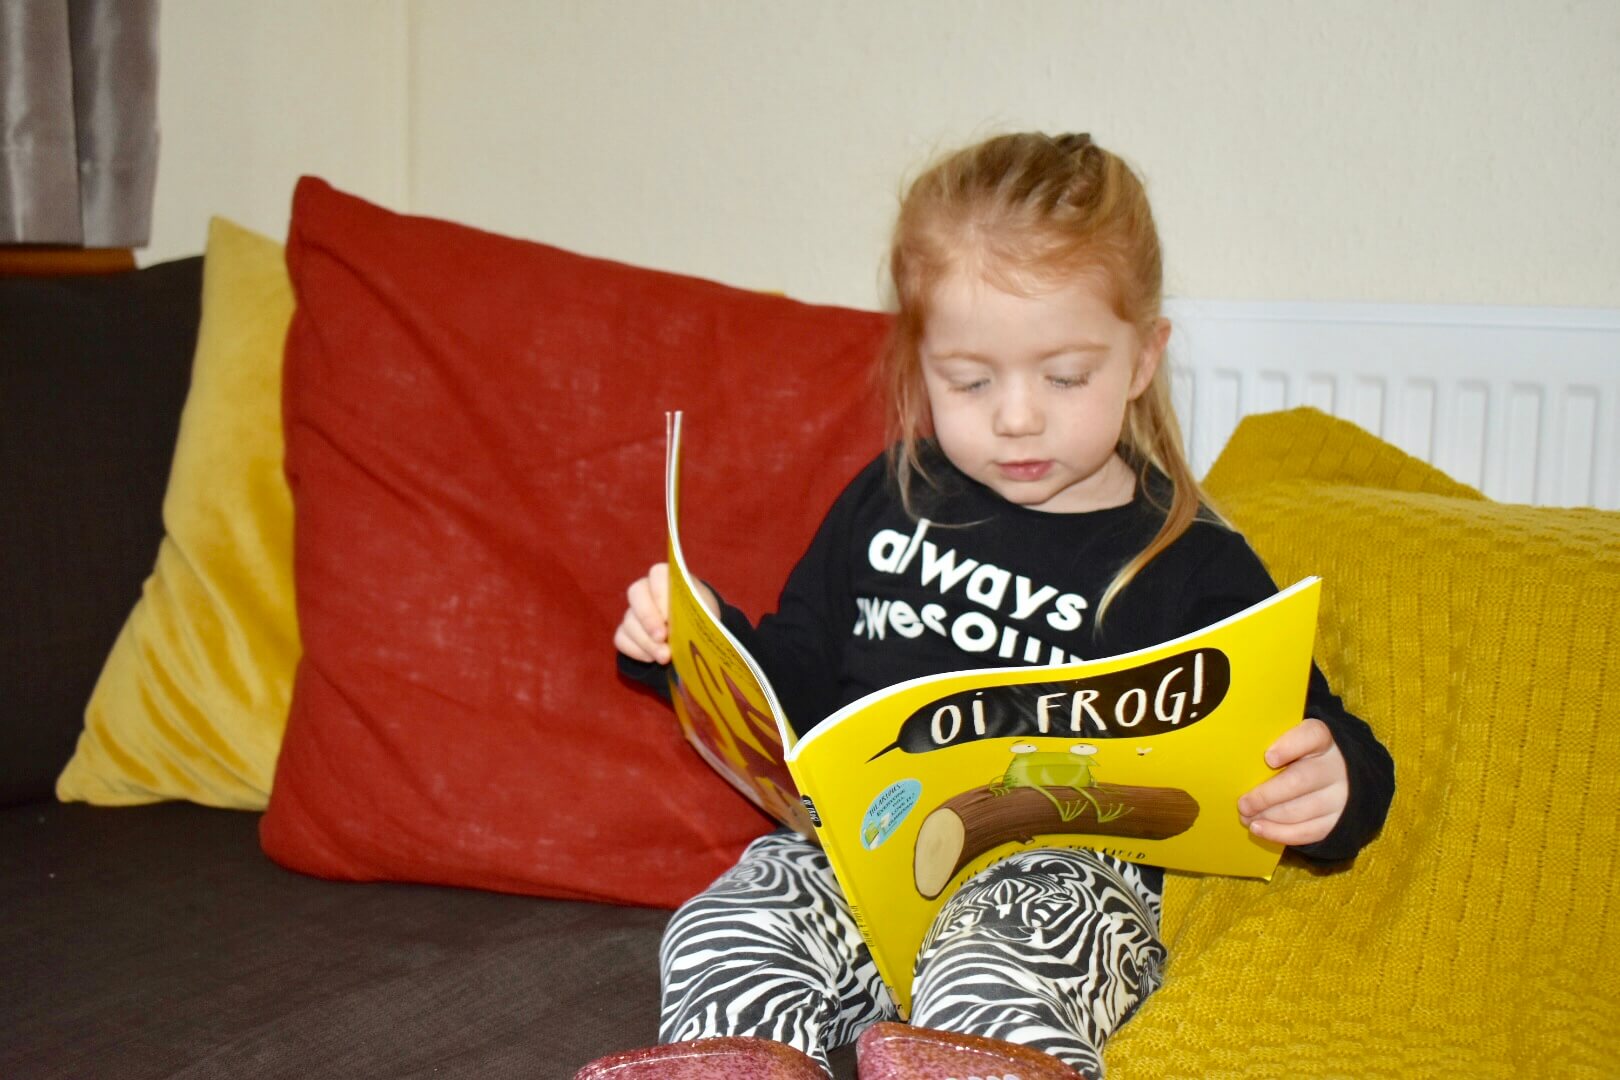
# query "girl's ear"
(1154, 342)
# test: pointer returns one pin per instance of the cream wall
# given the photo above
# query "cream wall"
(1452, 151)
(251, 94)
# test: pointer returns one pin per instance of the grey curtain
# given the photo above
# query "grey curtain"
(78, 105)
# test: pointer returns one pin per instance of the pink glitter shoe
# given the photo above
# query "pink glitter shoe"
(706, 1059)
(902, 1052)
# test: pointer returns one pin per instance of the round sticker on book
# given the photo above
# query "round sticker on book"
(888, 810)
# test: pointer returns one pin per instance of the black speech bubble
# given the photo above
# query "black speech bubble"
(1126, 704)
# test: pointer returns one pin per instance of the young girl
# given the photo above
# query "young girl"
(1031, 422)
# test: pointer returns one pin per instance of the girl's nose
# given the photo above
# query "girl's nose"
(1017, 414)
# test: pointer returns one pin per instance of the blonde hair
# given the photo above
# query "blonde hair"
(1029, 210)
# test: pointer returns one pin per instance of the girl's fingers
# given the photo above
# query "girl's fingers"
(1309, 736)
(625, 641)
(1301, 804)
(632, 639)
(1304, 832)
(1306, 775)
(628, 647)
(645, 607)
(658, 582)
(1298, 779)
(643, 634)
(1324, 802)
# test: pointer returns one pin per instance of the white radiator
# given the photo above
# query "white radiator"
(1522, 403)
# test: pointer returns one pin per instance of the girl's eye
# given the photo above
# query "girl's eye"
(1066, 382)
(969, 386)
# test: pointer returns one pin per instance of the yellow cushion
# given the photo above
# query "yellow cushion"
(1476, 936)
(193, 698)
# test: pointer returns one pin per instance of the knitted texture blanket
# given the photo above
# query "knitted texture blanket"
(1478, 934)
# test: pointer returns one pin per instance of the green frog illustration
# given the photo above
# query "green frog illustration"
(1041, 770)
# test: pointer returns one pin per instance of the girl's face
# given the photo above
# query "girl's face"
(1028, 393)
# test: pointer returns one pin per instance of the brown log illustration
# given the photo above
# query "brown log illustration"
(965, 826)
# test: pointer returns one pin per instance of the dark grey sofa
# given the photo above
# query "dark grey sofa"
(159, 941)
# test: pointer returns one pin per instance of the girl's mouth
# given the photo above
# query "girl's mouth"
(1024, 470)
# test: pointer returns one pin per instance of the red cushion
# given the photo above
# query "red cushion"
(475, 445)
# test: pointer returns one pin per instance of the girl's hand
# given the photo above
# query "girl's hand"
(1301, 804)
(643, 633)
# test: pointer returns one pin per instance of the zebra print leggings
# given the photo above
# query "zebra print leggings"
(1050, 948)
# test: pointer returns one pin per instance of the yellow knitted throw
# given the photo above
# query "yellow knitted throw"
(1477, 936)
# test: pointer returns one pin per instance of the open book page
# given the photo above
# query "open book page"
(726, 707)
(919, 787)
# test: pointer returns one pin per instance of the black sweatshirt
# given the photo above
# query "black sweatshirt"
(881, 597)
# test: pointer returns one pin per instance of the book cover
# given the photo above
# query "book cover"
(722, 699)
(915, 788)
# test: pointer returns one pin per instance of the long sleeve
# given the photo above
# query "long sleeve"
(800, 644)
(1371, 771)
(654, 677)
(1236, 578)
(882, 595)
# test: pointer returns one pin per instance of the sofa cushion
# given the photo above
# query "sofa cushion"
(193, 697)
(1478, 639)
(158, 942)
(93, 376)
(475, 444)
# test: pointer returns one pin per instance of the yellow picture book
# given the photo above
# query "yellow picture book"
(913, 789)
